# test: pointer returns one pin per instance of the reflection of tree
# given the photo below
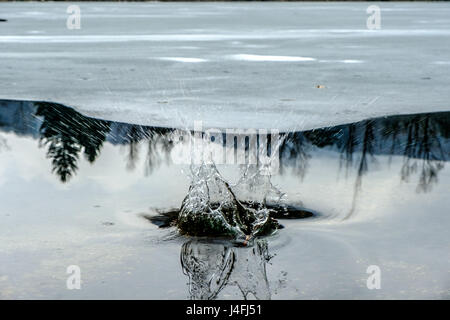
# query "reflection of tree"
(160, 144)
(422, 142)
(293, 151)
(421, 139)
(212, 266)
(132, 135)
(67, 133)
(348, 147)
(20, 120)
(390, 133)
(3, 143)
(158, 140)
(367, 149)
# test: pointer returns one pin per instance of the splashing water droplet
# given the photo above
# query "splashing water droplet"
(212, 207)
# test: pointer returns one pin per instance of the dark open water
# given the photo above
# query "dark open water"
(74, 190)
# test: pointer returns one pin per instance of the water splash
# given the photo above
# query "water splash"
(212, 206)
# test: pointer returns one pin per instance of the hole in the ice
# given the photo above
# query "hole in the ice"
(168, 218)
(416, 146)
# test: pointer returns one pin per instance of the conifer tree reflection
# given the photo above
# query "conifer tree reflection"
(348, 148)
(294, 152)
(158, 141)
(367, 149)
(423, 151)
(421, 139)
(132, 135)
(159, 147)
(67, 133)
(3, 143)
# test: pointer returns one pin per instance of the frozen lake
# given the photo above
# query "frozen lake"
(169, 64)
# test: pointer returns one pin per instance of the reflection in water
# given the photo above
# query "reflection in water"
(3, 144)
(422, 140)
(67, 133)
(213, 266)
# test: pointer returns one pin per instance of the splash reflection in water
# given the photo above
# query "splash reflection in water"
(213, 266)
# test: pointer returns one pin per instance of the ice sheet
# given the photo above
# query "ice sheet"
(229, 65)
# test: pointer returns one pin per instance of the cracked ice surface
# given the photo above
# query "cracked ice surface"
(270, 65)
